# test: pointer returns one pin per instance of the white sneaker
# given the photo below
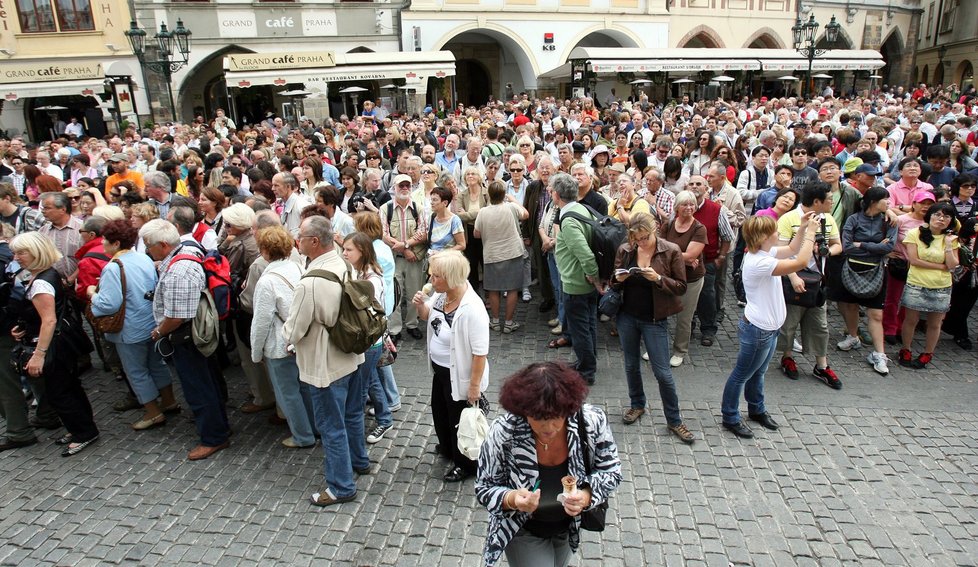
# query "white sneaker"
(878, 360)
(796, 346)
(676, 361)
(553, 322)
(526, 296)
(604, 318)
(849, 343)
(558, 330)
(645, 356)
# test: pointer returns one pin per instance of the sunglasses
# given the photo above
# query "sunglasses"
(516, 170)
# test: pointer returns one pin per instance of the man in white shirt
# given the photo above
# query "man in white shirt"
(46, 167)
(286, 187)
(471, 158)
(74, 128)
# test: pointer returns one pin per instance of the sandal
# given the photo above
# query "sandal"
(557, 343)
(63, 440)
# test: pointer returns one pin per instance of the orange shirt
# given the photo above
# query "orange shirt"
(130, 175)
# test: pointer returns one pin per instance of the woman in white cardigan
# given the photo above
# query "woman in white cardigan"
(458, 344)
(272, 300)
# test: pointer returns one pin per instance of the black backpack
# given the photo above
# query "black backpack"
(607, 234)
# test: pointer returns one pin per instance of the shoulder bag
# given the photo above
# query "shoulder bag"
(864, 281)
(814, 294)
(110, 323)
(594, 518)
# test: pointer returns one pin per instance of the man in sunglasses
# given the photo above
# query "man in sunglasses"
(801, 172)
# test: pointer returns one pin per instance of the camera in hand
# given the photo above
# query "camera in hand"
(822, 238)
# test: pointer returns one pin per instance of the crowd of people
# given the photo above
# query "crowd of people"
(866, 203)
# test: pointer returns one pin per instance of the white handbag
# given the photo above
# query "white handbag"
(472, 430)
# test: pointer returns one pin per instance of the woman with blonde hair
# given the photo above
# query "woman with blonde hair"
(52, 340)
(525, 147)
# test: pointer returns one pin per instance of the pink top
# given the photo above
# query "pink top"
(900, 194)
(905, 223)
(768, 212)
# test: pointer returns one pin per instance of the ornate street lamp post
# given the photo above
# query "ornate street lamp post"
(165, 64)
(804, 35)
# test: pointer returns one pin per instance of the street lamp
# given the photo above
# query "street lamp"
(165, 64)
(803, 35)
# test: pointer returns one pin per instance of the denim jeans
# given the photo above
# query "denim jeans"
(631, 333)
(370, 379)
(581, 312)
(339, 418)
(706, 306)
(145, 369)
(756, 349)
(558, 290)
(292, 400)
(202, 392)
(389, 385)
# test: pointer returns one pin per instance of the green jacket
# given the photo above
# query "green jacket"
(575, 261)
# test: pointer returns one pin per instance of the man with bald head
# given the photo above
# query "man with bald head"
(471, 158)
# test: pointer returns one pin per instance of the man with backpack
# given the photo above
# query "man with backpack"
(327, 372)
(405, 232)
(15, 212)
(176, 303)
(578, 273)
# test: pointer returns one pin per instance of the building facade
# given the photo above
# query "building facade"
(947, 46)
(502, 46)
(258, 45)
(64, 60)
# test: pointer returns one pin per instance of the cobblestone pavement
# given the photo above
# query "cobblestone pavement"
(879, 473)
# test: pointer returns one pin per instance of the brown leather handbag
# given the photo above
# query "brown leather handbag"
(110, 323)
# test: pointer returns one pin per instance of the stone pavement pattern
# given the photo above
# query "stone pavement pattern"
(880, 473)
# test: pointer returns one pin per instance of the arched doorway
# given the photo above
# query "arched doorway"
(939, 73)
(965, 74)
(924, 75)
(763, 39)
(204, 90)
(701, 37)
(493, 60)
(892, 52)
(475, 88)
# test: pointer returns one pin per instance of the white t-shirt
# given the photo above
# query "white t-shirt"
(40, 287)
(440, 346)
(765, 297)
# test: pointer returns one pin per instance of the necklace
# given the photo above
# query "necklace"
(546, 446)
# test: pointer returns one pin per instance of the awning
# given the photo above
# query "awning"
(88, 87)
(413, 73)
(610, 60)
(669, 65)
(413, 67)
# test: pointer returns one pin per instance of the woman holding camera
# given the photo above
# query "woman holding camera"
(47, 356)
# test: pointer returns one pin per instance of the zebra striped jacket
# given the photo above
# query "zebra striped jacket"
(508, 461)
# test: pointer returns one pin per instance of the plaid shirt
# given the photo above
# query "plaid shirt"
(179, 288)
(67, 240)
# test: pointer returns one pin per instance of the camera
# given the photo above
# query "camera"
(822, 237)
(149, 295)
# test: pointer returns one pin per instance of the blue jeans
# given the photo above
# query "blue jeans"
(631, 333)
(203, 394)
(706, 306)
(756, 349)
(558, 290)
(581, 312)
(389, 385)
(145, 369)
(294, 403)
(370, 379)
(339, 418)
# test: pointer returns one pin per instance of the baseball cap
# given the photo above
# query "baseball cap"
(823, 112)
(798, 124)
(763, 99)
(851, 165)
(578, 147)
(865, 168)
(400, 178)
(924, 196)
(119, 157)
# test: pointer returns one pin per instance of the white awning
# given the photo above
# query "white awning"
(311, 77)
(669, 65)
(823, 65)
(88, 87)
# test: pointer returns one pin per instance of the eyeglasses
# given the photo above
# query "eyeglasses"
(524, 145)
(427, 172)
(516, 170)
(939, 215)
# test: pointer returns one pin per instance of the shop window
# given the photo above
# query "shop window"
(38, 16)
(75, 15)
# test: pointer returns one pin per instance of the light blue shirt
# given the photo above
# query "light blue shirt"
(385, 257)
(141, 277)
(331, 174)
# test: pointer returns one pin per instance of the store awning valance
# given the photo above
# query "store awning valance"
(413, 68)
(610, 60)
(87, 87)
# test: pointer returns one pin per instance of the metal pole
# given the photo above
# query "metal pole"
(808, 77)
(168, 76)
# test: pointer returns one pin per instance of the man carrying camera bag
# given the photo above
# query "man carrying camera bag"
(804, 290)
